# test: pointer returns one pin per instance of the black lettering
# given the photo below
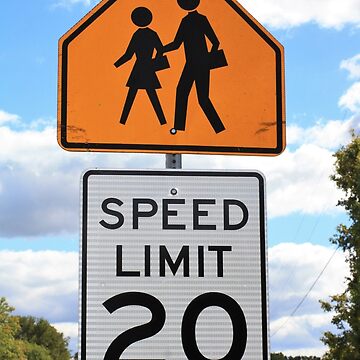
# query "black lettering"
(128, 337)
(245, 218)
(166, 213)
(191, 315)
(105, 207)
(201, 261)
(137, 213)
(147, 260)
(197, 214)
(182, 257)
(220, 257)
(119, 264)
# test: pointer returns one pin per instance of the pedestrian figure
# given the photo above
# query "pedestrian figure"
(192, 32)
(143, 75)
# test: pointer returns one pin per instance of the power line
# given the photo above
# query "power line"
(297, 307)
(346, 114)
(291, 272)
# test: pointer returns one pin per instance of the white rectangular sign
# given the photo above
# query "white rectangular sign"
(173, 266)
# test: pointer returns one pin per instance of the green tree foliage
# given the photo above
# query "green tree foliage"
(36, 352)
(28, 338)
(40, 332)
(281, 356)
(278, 356)
(10, 348)
(345, 343)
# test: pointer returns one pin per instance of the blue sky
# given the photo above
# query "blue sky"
(39, 182)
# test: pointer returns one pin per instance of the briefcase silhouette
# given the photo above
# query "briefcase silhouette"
(161, 63)
(217, 59)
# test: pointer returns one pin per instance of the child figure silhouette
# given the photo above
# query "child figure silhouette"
(143, 75)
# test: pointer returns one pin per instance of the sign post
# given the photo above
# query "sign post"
(173, 161)
(173, 265)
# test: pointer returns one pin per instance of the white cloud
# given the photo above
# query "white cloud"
(329, 135)
(351, 99)
(301, 330)
(302, 184)
(293, 268)
(6, 117)
(303, 262)
(285, 13)
(352, 65)
(69, 329)
(41, 284)
(70, 3)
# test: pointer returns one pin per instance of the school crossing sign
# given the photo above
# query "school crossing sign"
(171, 76)
(173, 266)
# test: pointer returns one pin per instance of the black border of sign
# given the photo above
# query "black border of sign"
(168, 148)
(174, 173)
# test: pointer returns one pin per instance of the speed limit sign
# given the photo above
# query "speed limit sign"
(173, 266)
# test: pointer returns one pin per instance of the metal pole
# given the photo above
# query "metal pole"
(173, 161)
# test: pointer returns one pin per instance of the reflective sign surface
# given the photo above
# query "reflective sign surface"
(173, 266)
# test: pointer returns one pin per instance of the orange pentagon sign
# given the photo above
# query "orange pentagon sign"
(171, 76)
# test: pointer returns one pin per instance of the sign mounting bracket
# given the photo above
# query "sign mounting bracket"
(173, 161)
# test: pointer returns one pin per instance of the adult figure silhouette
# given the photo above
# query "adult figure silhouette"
(192, 32)
(143, 75)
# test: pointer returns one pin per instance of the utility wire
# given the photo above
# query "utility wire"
(291, 273)
(306, 295)
(346, 114)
